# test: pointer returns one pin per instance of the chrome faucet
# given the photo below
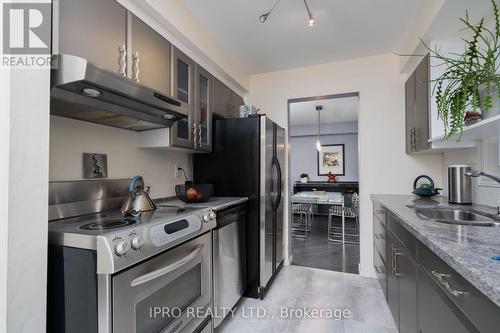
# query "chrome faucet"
(480, 173)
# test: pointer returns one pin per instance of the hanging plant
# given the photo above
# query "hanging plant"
(471, 80)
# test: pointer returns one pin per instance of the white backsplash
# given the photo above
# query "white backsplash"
(484, 158)
(70, 138)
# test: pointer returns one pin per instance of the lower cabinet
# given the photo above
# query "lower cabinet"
(436, 314)
(424, 294)
(392, 281)
(401, 285)
(407, 268)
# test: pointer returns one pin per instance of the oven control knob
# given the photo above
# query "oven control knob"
(212, 216)
(137, 243)
(121, 248)
(205, 218)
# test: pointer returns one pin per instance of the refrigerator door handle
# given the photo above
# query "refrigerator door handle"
(274, 189)
(278, 166)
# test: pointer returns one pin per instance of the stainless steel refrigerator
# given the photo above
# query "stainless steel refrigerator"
(248, 158)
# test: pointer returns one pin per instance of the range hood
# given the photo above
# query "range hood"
(84, 91)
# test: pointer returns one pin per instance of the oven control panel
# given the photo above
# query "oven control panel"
(168, 232)
(125, 247)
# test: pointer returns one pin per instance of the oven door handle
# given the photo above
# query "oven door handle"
(167, 269)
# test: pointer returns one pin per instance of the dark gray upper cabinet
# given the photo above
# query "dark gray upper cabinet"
(226, 102)
(236, 102)
(422, 107)
(222, 96)
(92, 29)
(203, 110)
(410, 113)
(150, 58)
(417, 105)
(183, 87)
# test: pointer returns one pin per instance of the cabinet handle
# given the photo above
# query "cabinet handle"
(395, 264)
(122, 60)
(194, 136)
(199, 135)
(411, 139)
(135, 67)
(414, 139)
(442, 280)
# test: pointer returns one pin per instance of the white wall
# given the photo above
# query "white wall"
(27, 188)
(383, 166)
(70, 138)
(4, 195)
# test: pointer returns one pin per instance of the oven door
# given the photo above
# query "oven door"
(160, 294)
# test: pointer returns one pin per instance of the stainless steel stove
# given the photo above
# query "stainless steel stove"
(127, 271)
(124, 241)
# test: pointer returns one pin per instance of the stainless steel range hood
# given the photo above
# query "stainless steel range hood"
(84, 91)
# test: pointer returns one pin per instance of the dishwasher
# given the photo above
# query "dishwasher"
(229, 263)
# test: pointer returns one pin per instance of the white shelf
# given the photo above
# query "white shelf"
(483, 129)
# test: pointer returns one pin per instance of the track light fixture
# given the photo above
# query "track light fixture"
(311, 19)
(264, 16)
(311, 22)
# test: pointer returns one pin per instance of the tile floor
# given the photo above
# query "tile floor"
(317, 252)
(301, 287)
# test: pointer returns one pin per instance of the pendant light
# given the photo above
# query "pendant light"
(310, 22)
(318, 141)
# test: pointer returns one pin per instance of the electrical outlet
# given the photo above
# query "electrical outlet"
(177, 172)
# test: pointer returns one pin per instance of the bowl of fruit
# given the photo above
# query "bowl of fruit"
(192, 193)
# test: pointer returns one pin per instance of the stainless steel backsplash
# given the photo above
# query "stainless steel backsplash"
(75, 198)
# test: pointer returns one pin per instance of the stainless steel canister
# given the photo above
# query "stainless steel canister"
(459, 185)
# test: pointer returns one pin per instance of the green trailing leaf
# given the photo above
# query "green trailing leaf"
(457, 90)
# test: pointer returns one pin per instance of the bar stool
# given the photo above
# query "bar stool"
(345, 234)
(301, 227)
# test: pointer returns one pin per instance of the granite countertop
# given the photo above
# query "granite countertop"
(467, 249)
(214, 203)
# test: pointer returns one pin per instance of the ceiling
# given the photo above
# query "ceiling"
(336, 110)
(343, 30)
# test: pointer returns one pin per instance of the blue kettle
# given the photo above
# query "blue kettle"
(424, 186)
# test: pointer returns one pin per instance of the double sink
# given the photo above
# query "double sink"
(457, 216)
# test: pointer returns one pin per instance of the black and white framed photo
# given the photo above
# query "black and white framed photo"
(331, 159)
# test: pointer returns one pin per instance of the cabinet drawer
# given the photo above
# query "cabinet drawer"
(482, 312)
(379, 237)
(379, 211)
(436, 313)
(381, 271)
(404, 236)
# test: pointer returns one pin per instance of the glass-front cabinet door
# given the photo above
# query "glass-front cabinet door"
(203, 110)
(183, 132)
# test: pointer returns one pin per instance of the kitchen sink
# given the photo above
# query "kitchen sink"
(456, 216)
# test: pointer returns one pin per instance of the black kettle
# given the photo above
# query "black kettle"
(424, 186)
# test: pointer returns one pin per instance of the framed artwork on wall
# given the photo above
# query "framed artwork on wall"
(331, 159)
